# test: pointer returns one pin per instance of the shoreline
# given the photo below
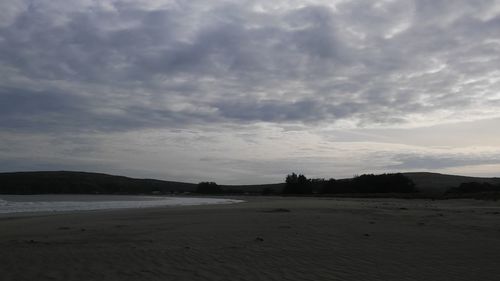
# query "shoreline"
(63, 203)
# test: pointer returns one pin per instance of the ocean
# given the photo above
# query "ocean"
(65, 203)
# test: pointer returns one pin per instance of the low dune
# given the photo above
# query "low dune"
(261, 239)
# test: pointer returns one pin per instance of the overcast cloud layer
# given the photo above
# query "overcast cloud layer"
(247, 91)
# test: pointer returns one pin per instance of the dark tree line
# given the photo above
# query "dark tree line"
(297, 184)
(384, 183)
(475, 187)
(91, 183)
(208, 188)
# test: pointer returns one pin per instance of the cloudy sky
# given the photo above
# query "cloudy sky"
(246, 91)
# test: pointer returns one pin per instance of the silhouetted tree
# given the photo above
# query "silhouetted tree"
(297, 184)
(291, 179)
(208, 188)
(384, 183)
(318, 185)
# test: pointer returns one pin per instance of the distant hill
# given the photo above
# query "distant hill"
(82, 182)
(69, 182)
(439, 183)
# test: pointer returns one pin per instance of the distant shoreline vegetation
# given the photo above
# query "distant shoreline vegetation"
(301, 185)
(369, 183)
(398, 185)
(476, 190)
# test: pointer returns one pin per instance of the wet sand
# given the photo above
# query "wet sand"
(262, 239)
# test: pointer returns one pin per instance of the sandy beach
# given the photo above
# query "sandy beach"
(262, 239)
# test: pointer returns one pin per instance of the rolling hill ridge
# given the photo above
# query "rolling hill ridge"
(98, 183)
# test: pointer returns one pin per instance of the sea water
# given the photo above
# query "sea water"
(62, 203)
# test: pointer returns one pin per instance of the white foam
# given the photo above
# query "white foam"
(87, 205)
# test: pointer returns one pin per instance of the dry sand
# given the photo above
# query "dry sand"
(318, 239)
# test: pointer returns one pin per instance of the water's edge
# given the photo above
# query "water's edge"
(10, 204)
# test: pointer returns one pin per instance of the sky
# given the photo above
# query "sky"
(247, 91)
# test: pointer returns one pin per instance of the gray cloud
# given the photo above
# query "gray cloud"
(270, 110)
(372, 63)
(128, 66)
